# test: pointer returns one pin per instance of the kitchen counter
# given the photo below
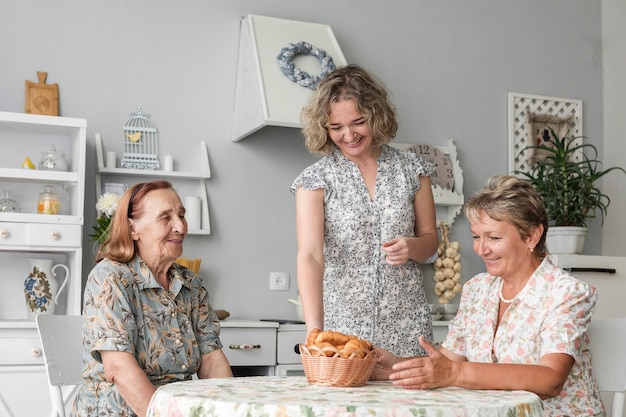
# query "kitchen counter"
(236, 323)
(440, 327)
(292, 325)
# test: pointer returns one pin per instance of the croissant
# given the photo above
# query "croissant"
(356, 347)
(336, 338)
(329, 343)
(326, 349)
(312, 335)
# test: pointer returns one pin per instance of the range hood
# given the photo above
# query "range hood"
(264, 96)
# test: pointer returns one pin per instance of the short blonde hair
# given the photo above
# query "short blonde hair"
(515, 201)
(348, 83)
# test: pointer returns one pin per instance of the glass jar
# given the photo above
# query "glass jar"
(49, 201)
(8, 204)
(52, 160)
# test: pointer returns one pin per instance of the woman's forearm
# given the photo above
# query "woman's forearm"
(310, 276)
(540, 379)
(130, 380)
(215, 365)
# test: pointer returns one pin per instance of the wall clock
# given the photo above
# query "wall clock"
(447, 180)
(444, 170)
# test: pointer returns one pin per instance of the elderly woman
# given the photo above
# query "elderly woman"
(148, 320)
(522, 324)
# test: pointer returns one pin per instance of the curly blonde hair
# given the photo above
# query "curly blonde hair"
(348, 83)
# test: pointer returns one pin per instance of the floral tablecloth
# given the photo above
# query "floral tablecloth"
(293, 396)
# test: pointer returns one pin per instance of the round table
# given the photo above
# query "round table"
(293, 396)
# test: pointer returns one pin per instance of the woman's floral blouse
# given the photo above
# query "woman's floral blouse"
(127, 310)
(550, 315)
(363, 295)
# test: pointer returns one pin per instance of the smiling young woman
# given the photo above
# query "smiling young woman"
(365, 217)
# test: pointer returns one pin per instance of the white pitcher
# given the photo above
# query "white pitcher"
(298, 304)
(41, 288)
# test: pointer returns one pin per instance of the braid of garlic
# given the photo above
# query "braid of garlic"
(447, 267)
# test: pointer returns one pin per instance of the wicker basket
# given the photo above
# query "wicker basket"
(336, 371)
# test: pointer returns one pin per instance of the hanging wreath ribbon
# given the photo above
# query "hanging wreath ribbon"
(295, 74)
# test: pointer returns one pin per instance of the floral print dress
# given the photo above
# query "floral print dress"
(550, 315)
(363, 295)
(127, 310)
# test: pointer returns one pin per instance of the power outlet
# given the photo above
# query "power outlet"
(279, 281)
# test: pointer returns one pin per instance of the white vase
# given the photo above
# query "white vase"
(566, 239)
(41, 287)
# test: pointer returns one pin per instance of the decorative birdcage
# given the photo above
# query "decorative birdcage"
(141, 142)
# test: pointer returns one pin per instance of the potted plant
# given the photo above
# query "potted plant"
(565, 173)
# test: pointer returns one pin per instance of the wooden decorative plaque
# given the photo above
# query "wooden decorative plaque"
(42, 98)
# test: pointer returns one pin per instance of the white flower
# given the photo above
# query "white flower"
(107, 204)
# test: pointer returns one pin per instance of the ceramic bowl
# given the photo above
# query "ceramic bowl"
(434, 309)
(449, 309)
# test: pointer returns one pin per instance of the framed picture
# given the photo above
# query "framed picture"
(531, 118)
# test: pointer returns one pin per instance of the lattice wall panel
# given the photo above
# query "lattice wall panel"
(519, 129)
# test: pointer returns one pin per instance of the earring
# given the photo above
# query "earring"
(531, 249)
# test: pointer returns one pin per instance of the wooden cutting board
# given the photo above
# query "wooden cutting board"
(42, 98)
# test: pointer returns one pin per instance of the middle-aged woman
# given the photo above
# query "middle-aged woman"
(148, 320)
(365, 217)
(522, 324)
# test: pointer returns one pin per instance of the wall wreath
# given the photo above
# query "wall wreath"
(295, 74)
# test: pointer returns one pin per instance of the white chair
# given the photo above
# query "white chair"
(61, 340)
(608, 349)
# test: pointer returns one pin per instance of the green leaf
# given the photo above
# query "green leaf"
(566, 180)
(101, 229)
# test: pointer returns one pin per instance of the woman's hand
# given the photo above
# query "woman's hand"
(432, 371)
(384, 361)
(397, 251)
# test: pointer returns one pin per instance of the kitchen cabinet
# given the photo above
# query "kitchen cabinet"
(606, 273)
(288, 340)
(250, 346)
(185, 182)
(27, 234)
(259, 347)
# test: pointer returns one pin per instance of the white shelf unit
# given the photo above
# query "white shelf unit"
(27, 234)
(179, 180)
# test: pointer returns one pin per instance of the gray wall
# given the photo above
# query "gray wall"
(614, 123)
(448, 63)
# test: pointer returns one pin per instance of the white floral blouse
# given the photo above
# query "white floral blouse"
(550, 315)
(363, 295)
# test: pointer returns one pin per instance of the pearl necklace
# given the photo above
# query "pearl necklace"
(504, 300)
